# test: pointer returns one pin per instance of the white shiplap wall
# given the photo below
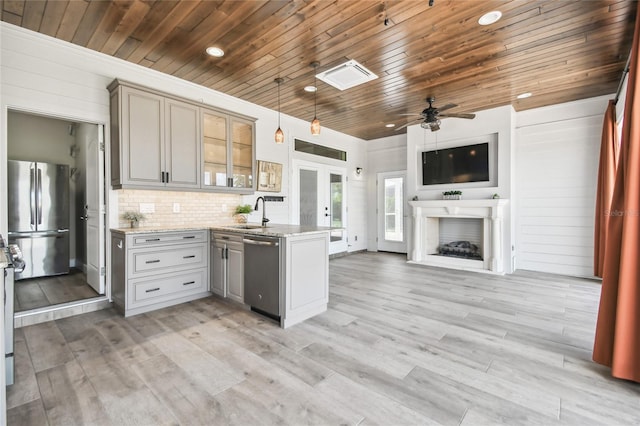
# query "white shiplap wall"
(43, 75)
(557, 151)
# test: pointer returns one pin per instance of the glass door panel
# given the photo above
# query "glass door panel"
(336, 191)
(308, 197)
(391, 212)
(393, 209)
(242, 142)
(214, 139)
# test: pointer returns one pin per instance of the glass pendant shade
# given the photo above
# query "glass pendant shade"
(279, 135)
(315, 123)
(315, 126)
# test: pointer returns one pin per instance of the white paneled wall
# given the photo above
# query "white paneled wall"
(556, 170)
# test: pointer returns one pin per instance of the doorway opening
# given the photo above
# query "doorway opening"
(56, 212)
(392, 212)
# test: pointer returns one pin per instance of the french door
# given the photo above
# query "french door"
(392, 212)
(320, 200)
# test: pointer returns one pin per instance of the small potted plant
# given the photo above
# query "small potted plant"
(134, 218)
(242, 212)
(452, 195)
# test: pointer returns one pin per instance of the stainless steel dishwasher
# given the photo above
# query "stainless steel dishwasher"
(262, 275)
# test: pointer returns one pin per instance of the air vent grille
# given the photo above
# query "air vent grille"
(347, 75)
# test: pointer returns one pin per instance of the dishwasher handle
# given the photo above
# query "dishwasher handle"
(261, 242)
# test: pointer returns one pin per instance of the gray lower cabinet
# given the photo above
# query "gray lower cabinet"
(227, 264)
(159, 269)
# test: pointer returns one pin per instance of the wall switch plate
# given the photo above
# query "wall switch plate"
(147, 208)
(176, 207)
(224, 208)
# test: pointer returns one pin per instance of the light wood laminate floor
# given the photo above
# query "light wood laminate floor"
(400, 344)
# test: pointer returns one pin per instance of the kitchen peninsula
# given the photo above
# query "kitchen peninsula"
(158, 267)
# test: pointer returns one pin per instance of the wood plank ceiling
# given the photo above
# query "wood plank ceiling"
(557, 50)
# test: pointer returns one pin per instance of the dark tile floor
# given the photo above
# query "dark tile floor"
(33, 293)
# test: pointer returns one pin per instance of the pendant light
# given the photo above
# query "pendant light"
(279, 133)
(315, 123)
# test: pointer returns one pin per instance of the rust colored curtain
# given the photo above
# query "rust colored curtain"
(617, 342)
(606, 180)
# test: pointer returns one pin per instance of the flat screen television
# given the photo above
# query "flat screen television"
(461, 164)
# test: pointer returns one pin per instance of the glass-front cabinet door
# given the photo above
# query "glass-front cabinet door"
(227, 151)
(214, 139)
(242, 145)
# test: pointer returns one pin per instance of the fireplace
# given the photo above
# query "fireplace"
(460, 237)
(459, 234)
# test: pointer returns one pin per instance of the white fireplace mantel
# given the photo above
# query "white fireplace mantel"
(426, 215)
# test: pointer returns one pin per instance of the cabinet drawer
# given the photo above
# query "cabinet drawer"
(179, 257)
(155, 290)
(160, 238)
(226, 238)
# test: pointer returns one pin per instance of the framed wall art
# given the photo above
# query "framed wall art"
(269, 176)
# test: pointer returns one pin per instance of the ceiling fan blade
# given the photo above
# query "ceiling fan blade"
(409, 123)
(469, 116)
(446, 107)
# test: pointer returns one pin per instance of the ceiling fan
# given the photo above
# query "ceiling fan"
(430, 116)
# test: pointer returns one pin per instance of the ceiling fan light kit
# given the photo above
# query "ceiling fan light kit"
(431, 115)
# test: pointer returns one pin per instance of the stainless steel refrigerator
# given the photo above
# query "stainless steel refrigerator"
(38, 201)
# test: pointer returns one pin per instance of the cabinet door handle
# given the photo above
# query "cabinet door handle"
(189, 283)
(152, 239)
(191, 256)
(152, 290)
(188, 237)
(162, 177)
(167, 177)
(153, 261)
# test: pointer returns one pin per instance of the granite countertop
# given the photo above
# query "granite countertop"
(271, 230)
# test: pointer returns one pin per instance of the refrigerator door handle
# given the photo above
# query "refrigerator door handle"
(32, 197)
(39, 183)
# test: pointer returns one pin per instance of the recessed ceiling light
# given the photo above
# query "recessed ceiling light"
(490, 17)
(310, 89)
(524, 95)
(390, 125)
(215, 52)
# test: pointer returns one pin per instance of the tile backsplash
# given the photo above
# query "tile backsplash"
(195, 208)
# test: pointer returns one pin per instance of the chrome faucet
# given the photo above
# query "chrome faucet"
(264, 211)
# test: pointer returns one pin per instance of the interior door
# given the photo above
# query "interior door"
(392, 212)
(94, 209)
(320, 193)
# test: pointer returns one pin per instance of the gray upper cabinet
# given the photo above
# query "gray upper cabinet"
(228, 149)
(160, 141)
(155, 140)
(182, 144)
